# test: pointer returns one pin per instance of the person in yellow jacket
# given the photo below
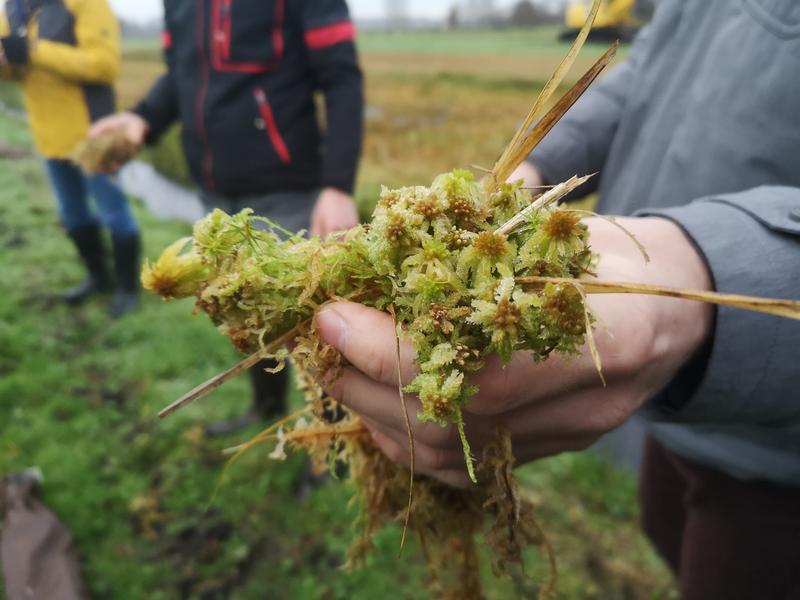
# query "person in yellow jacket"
(65, 53)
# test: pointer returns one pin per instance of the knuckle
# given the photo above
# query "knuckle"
(435, 459)
(638, 350)
(490, 403)
(613, 414)
(336, 390)
(383, 366)
(394, 453)
(435, 436)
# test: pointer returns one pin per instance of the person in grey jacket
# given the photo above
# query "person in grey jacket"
(696, 134)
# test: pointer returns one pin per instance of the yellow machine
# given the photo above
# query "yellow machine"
(616, 19)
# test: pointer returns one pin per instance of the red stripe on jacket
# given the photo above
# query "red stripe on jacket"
(166, 39)
(328, 35)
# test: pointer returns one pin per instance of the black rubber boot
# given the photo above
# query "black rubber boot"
(269, 400)
(126, 270)
(89, 243)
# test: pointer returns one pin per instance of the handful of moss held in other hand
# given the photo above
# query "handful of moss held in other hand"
(104, 153)
(431, 255)
(433, 258)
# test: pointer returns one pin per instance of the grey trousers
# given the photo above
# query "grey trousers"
(290, 210)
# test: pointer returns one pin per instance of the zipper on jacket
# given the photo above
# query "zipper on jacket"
(272, 127)
(207, 158)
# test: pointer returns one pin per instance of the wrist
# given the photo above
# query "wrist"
(338, 192)
(670, 330)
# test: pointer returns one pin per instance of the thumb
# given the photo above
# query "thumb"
(99, 128)
(366, 338)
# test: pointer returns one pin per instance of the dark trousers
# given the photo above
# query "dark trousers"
(725, 539)
(72, 188)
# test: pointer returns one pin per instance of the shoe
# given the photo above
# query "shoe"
(234, 425)
(269, 389)
(126, 272)
(89, 243)
(123, 303)
(83, 291)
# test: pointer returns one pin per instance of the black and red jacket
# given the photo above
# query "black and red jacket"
(241, 79)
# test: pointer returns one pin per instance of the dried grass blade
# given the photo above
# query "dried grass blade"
(407, 419)
(553, 116)
(598, 363)
(499, 173)
(789, 309)
(551, 196)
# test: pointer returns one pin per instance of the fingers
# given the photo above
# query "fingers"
(366, 338)
(331, 215)
(577, 418)
(315, 230)
(523, 381)
(381, 404)
(103, 126)
(447, 464)
(397, 453)
(133, 126)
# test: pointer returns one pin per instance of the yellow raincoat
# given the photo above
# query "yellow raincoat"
(73, 61)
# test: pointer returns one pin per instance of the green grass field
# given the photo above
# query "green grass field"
(530, 41)
(79, 393)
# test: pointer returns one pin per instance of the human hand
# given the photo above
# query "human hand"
(133, 126)
(334, 211)
(551, 407)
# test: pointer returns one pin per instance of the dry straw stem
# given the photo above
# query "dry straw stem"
(528, 136)
(407, 420)
(551, 196)
(218, 380)
(789, 309)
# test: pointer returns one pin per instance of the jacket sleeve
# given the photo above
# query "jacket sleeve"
(95, 56)
(7, 70)
(580, 142)
(329, 37)
(160, 106)
(751, 243)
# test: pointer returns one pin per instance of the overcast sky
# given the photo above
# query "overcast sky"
(145, 10)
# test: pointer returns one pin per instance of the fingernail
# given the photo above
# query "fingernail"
(333, 328)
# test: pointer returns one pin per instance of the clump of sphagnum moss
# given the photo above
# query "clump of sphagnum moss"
(458, 293)
(104, 152)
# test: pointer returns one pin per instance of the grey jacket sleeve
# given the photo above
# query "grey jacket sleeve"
(580, 142)
(751, 243)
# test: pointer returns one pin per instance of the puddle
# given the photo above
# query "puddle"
(162, 197)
